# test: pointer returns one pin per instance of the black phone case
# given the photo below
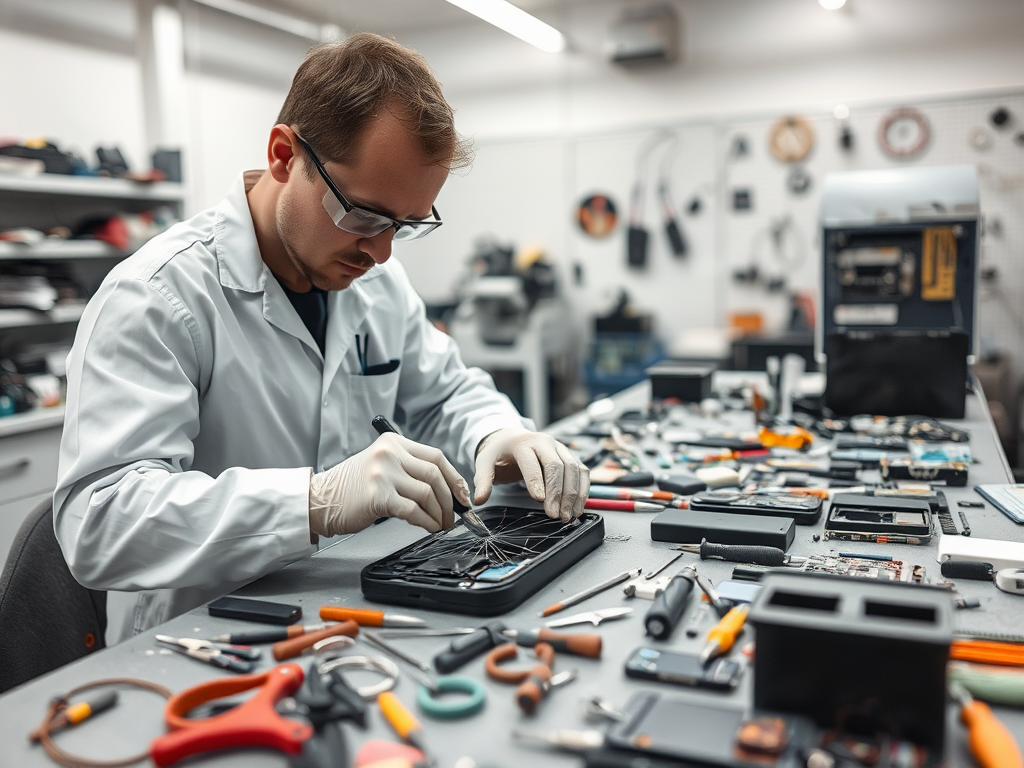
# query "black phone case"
(262, 611)
(804, 510)
(482, 599)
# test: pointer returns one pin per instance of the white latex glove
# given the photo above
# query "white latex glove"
(552, 473)
(394, 477)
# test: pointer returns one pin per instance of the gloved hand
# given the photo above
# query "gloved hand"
(394, 477)
(552, 473)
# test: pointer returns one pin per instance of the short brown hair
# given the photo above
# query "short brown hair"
(340, 87)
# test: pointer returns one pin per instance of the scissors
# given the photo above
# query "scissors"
(256, 722)
(237, 658)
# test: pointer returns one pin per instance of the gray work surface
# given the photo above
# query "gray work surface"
(332, 577)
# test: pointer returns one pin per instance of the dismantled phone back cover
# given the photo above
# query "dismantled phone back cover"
(457, 571)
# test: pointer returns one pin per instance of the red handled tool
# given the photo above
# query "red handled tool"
(254, 723)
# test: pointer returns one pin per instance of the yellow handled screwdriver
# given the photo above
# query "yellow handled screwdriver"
(991, 744)
(402, 720)
(723, 634)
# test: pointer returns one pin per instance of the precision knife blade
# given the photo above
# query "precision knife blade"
(590, 617)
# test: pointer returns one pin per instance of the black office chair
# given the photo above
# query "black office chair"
(48, 619)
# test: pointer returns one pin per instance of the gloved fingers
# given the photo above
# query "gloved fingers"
(530, 467)
(571, 505)
(402, 506)
(422, 482)
(554, 471)
(451, 477)
(483, 480)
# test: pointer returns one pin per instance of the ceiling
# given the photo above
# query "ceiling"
(384, 16)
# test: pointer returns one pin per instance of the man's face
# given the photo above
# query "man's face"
(389, 173)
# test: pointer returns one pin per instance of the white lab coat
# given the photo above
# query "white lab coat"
(198, 403)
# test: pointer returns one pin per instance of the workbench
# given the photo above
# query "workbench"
(332, 577)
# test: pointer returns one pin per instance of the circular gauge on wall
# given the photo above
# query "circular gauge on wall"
(791, 139)
(903, 133)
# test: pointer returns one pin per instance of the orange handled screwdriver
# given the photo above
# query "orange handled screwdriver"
(289, 649)
(991, 744)
(368, 618)
(580, 644)
(723, 634)
(402, 720)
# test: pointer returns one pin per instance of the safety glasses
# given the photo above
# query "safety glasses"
(362, 221)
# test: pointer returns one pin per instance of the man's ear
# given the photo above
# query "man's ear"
(282, 152)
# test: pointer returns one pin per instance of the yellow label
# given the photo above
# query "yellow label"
(938, 264)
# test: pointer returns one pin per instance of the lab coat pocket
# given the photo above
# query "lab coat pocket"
(367, 396)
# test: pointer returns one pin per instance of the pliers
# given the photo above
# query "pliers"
(236, 658)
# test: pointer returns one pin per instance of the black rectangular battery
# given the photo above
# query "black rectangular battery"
(687, 526)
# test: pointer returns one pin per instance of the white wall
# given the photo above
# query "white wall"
(550, 128)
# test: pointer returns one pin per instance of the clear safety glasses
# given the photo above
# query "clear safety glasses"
(362, 221)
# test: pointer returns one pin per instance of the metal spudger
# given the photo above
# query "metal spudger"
(469, 518)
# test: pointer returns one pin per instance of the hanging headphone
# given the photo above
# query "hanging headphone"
(638, 236)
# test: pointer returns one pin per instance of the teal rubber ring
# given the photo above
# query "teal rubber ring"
(442, 708)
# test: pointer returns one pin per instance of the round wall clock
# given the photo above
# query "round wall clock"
(791, 139)
(903, 133)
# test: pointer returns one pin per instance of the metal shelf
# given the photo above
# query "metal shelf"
(22, 318)
(86, 186)
(38, 418)
(60, 249)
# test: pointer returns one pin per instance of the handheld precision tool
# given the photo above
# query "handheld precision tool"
(289, 649)
(470, 518)
(578, 644)
(366, 617)
(273, 635)
(722, 636)
(590, 592)
(664, 613)
(737, 553)
(721, 606)
(590, 617)
(465, 648)
(236, 658)
(991, 744)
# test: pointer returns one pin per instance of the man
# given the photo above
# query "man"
(223, 378)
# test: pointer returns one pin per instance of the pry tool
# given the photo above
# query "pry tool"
(470, 518)
(590, 617)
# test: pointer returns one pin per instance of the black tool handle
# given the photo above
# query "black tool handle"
(382, 425)
(738, 553)
(465, 648)
(966, 569)
(664, 614)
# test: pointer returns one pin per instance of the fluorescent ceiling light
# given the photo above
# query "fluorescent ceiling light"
(515, 21)
(268, 18)
(831, 5)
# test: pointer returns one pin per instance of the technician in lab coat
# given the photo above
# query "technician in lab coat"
(223, 378)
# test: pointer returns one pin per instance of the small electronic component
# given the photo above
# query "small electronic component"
(952, 473)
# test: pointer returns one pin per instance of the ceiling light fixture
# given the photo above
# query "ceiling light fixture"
(831, 5)
(282, 21)
(515, 21)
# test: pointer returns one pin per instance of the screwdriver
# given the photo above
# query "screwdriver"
(258, 636)
(289, 649)
(723, 634)
(580, 644)
(622, 505)
(991, 744)
(368, 618)
(402, 720)
(76, 713)
(738, 553)
(664, 614)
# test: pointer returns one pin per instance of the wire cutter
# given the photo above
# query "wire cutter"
(236, 658)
